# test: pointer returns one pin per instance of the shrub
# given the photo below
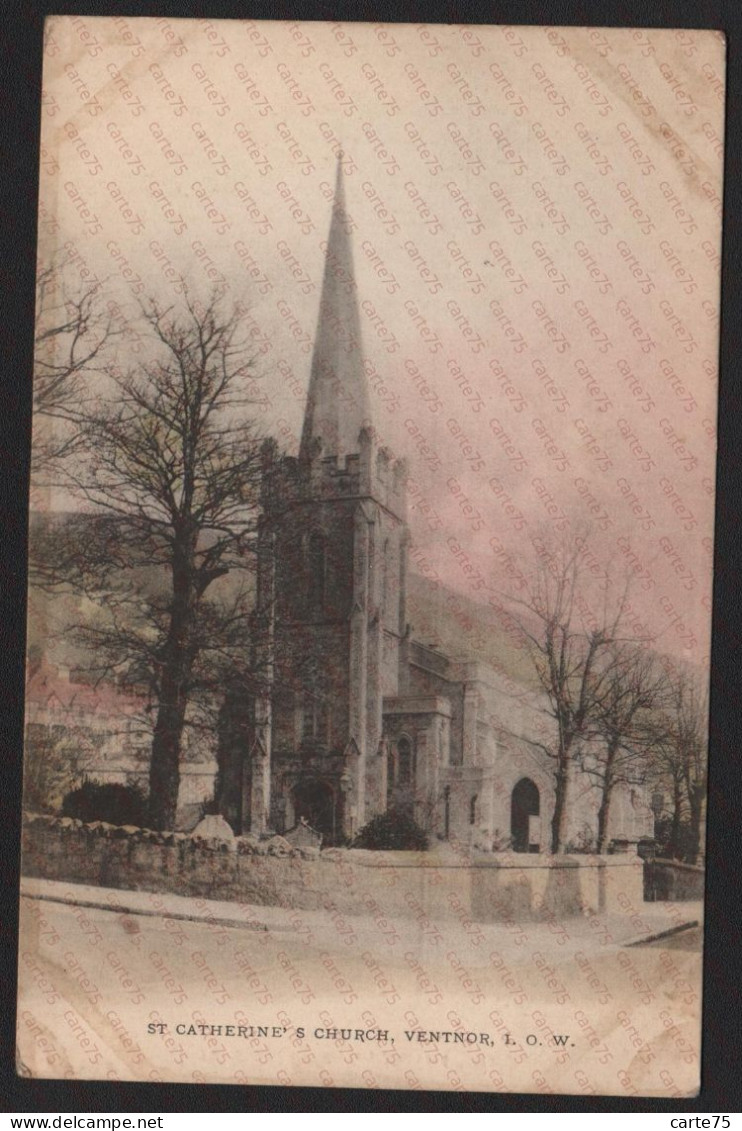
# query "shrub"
(54, 759)
(112, 802)
(393, 830)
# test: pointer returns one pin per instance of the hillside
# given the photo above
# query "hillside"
(440, 616)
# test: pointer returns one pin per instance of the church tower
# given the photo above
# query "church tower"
(331, 587)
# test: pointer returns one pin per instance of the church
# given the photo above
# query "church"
(354, 716)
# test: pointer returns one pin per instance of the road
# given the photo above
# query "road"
(132, 996)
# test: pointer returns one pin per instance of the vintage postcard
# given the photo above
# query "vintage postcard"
(371, 545)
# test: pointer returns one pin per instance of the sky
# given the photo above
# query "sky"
(534, 216)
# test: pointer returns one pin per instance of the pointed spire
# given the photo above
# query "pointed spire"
(337, 401)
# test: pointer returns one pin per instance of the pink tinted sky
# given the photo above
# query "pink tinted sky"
(534, 217)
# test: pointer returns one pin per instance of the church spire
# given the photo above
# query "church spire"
(337, 401)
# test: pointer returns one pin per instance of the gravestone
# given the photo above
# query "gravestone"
(302, 835)
(214, 828)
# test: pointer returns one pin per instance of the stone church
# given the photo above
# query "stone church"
(354, 716)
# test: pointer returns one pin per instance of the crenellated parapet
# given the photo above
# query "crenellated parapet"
(371, 472)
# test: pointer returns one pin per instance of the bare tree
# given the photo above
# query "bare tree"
(72, 330)
(168, 467)
(691, 710)
(680, 760)
(568, 644)
(54, 761)
(634, 687)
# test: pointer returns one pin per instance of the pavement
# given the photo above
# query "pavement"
(647, 923)
(136, 985)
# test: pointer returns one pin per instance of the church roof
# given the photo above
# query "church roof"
(337, 401)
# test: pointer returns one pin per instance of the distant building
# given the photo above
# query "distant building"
(77, 730)
(357, 716)
(353, 715)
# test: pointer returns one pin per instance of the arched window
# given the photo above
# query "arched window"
(385, 564)
(405, 762)
(316, 718)
(400, 763)
(326, 723)
(401, 590)
(391, 767)
(308, 716)
(316, 572)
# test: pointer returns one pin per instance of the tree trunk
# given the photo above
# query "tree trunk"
(164, 772)
(603, 815)
(677, 800)
(559, 819)
(605, 800)
(695, 801)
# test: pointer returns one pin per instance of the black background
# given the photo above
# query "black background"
(21, 26)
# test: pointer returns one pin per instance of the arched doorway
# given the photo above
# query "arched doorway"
(524, 804)
(315, 801)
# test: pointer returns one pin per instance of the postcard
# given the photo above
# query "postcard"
(371, 555)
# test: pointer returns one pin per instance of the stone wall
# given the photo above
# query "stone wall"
(437, 885)
(672, 880)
